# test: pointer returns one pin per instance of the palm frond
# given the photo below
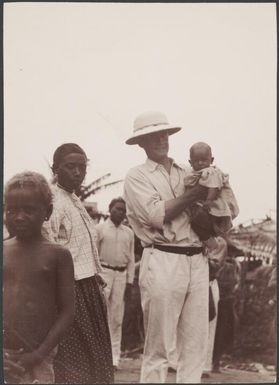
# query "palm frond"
(98, 188)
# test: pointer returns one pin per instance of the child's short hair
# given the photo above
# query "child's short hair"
(30, 179)
(200, 145)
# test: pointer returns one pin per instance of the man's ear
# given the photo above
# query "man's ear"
(212, 159)
(190, 162)
(49, 212)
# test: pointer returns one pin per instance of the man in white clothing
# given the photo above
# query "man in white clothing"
(116, 251)
(174, 270)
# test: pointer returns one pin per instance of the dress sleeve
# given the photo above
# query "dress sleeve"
(212, 177)
(192, 178)
(51, 228)
(98, 231)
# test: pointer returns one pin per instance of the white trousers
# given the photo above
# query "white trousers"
(114, 291)
(174, 296)
(212, 325)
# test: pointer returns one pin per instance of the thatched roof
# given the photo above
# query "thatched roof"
(257, 238)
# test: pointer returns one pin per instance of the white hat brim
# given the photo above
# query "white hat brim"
(150, 130)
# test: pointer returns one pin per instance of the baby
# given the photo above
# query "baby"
(212, 216)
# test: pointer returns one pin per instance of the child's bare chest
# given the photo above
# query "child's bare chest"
(28, 267)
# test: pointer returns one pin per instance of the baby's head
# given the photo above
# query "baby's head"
(28, 203)
(200, 156)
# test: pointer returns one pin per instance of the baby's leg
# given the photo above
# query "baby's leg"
(201, 222)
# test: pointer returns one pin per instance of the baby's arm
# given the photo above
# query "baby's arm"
(212, 179)
(66, 308)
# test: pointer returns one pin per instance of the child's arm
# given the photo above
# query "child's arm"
(13, 372)
(66, 308)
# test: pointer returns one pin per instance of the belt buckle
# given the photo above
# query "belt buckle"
(188, 253)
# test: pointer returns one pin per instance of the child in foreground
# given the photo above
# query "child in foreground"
(38, 283)
(212, 216)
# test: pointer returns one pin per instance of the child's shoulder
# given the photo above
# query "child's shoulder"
(9, 243)
(56, 249)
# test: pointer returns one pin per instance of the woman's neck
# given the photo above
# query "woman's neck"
(65, 188)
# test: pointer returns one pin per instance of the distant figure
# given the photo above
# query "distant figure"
(116, 249)
(213, 215)
(272, 290)
(216, 259)
(84, 355)
(228, 279)
(38, 283)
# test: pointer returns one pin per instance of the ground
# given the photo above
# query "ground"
(129, 373)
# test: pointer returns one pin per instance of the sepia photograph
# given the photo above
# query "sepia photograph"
(139, 193)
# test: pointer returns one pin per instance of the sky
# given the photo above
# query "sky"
(82, 72)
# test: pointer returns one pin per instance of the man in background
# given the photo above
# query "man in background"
(116, 250)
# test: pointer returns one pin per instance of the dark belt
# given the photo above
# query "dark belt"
(179, 250)
(116, 268)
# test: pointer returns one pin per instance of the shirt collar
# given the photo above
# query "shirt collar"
(110, 223)
(61, 188)
(151, 165)
(70, 194)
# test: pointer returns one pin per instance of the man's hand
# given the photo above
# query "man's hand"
(173, 207)
(128, 292)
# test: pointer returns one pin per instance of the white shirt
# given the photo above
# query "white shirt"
(146, 189)
(116, 246)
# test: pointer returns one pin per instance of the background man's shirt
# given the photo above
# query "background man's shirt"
(116, 246)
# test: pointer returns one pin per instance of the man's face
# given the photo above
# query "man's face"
(71, 171)
(118, 212)
(156, 145)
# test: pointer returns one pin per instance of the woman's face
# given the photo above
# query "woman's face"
(71, 171)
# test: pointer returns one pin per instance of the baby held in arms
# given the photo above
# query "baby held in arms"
(212, 216)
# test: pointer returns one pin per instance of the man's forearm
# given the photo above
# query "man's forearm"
(173, 207)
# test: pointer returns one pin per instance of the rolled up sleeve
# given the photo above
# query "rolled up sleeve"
(143, 200)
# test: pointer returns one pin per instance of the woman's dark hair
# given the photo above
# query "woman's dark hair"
(63, 150)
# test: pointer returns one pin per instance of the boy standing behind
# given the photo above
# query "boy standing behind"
(38, 282)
